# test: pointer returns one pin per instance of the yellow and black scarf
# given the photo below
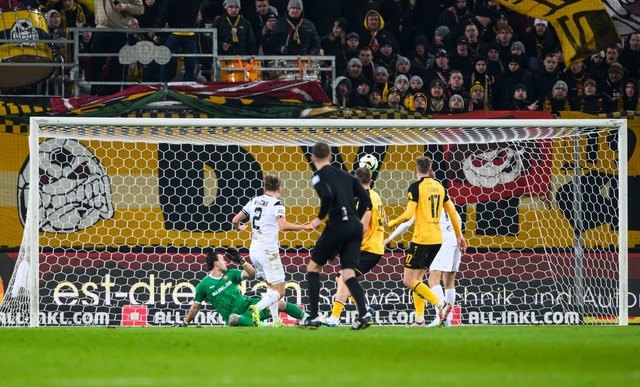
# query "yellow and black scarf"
(295, 30)
(81, 19)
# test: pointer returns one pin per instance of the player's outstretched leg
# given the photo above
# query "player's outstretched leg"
(255, 315)
(443, 313)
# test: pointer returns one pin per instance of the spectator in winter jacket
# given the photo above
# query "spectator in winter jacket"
(557, 101)
(235, 33)
(546, 77)
(374, 30)
(297, 35)
(590, 101)
(519, 99)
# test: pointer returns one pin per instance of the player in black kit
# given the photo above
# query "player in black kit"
(342, 234)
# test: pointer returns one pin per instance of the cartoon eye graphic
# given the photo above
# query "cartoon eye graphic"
(75, 190)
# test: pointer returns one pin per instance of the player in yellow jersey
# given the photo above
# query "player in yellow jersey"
(427, 197)
(371, 249)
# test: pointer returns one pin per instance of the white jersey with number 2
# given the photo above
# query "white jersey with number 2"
(263, 212)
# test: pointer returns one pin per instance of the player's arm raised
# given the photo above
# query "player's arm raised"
(248, 271)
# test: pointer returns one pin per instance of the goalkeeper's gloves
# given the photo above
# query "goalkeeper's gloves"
(182, 324)
(234, 256)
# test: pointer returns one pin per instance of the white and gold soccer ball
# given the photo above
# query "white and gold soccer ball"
(368, 161)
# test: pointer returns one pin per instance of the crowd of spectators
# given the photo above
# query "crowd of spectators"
(415, 55)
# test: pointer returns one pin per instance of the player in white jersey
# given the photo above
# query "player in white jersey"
(444, 267)
(266, 214)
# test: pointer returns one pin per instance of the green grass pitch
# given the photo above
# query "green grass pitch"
(379, 356)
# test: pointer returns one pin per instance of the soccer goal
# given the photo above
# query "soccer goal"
(118, 213)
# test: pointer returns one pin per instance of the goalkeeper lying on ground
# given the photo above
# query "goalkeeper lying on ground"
(220, 289)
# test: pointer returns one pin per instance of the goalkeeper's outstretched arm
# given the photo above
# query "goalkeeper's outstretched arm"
(191, 314)
(193, 311)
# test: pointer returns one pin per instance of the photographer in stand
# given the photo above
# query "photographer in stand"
(111, 14)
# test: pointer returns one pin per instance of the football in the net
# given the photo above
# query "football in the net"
(368, 161)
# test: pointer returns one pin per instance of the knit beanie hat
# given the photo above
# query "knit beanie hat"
(416, 78)
(231, 3)
(295, 4)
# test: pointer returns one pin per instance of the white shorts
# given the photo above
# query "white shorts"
(447, 259)
(267, 263)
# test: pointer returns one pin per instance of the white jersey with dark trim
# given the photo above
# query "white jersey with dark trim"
(263, 213)
(448, 235)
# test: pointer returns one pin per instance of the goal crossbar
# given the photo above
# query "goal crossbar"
(296, 132)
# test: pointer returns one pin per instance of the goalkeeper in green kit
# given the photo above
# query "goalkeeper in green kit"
(220, 289)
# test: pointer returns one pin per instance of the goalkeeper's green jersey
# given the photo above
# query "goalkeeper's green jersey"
(223, 293)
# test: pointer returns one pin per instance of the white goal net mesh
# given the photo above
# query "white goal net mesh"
(126, 209)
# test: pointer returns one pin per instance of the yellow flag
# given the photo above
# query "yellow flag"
(583, 26)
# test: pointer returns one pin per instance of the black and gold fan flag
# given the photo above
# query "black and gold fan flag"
(584, 27)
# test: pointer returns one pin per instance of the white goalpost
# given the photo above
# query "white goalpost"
(118, 214)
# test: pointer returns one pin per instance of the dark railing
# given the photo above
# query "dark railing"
(65, 79)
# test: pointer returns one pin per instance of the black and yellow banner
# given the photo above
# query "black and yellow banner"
(584, 27)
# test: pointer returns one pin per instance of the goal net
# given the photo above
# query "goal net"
(119, 212)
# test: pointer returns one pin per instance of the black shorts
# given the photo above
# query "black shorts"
(342, 238)
(420, 256)
(368, 261)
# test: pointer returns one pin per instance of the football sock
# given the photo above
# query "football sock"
(437, 290)
(271, 297)
(357, 292)
(418, 302)
(313, 285)
(336, 311)
(450, 297)
(275, 315)
(426, 293)
(293, 311)
(352, 299)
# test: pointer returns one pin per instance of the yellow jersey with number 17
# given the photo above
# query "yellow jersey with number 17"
(373, 240)
(430, 197)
